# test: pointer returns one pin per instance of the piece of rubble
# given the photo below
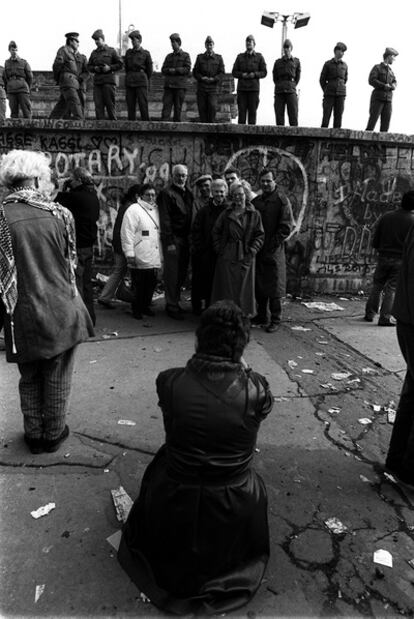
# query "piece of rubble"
(144, 598)
(299, 328)
(334, 409)
(328, 386)
(383, 557)
(306, 371)
(321, 306)
(115, 539)
(39, 591)
(126, 422)
(365, 421)
(336, 526)
(376, 408)
(292, 364)
(390, 478)
(369, 371)
(340, 375)
(42, 511)
(122, 502)
(411, 563)
(391, 414)
(364, 479)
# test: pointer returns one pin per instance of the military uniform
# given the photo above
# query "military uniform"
(71, 73)
(18, 79)
(286, 76)
(333, 79)
(2, 96)
(176, 68)
(104, 83)
(138, 69)
(211, 66)
(383, 80)
(248, 87)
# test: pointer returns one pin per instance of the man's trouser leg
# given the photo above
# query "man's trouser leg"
(109, 100)
(275, 306)
(386, 116)
(57, 373)
(252, 105)
(167, 103)
(25, 104)
(179, 96)
(339, 105)
(131, 101)
(261, 296)
(14, 105)
(394, 266)
(400, 455)
(31, 398)
(116, 277)
(84, 278)
(142, 98)
(212, 105)
(99, 102)
(73, 108)
(2, 109)
(59, 110)
(242, 107)
(327, 105)
(279, 106)
(375, 110)
(292, 108)
(202, 106)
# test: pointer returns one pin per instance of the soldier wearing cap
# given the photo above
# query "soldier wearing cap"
(18, 79)
(138, 69)
(176, 69)
(208, 71)
(71, 74)
(333, 80)
(382, 79)
(249, 68)
(2, 96)
(286, 76)
(104, 62)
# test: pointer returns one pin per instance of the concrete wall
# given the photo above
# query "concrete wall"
(339, 181)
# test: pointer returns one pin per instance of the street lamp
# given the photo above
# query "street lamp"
(269, 18)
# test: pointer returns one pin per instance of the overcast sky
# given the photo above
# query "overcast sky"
(366, 26)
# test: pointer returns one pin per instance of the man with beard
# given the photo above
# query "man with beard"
(277, 219)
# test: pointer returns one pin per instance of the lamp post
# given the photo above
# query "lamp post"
(120, 25)
(269, 18)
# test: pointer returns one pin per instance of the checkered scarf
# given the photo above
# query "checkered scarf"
(8, 272)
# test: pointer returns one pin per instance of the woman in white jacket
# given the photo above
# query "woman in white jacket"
(140, 238)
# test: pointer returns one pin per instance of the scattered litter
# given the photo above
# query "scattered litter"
(391, 414)
(43, 511)
(411, 563)
(323, 307)
(106, 470)
(334, 409)
(280, 399)
(257, 450)
(114, 333)
(47, 549)
(383, 557)
(115, 539)
(38, 592)
(340, 375)
(365, 421)
(93, 361)
(343, 299)
(339, 594)
(299, 328)
(144, 598)
(364, 479)
(336, 526)
(376, 408)
(67, 455)
(353, 380)
(122, 502)
(320, 354)
(322, 342)
(157, 349)
(106, 337)
(292, 364)
(369, 371)
(305, 371)
(126, 422)
(390, 478)
(328, 386)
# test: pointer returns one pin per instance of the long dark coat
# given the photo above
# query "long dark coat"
(196, 539)
(277, 220)
(236, 241)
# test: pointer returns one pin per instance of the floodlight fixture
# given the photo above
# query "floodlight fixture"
(299, 20)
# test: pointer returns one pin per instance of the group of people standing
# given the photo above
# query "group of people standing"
(231, 241)
(72, 70)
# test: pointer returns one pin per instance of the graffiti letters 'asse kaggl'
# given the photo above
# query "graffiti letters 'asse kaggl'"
(339, 182)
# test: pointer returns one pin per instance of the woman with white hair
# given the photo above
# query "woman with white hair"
(44, 316)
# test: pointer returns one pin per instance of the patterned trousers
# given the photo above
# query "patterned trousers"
(44, 389)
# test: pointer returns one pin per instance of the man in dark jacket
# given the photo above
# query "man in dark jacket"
(18, 79)
(83, 203)
(286, 76)
(175, 205)
(249, 68)
(333, 79)
(138, 69)
(44, 316)
(382, 79)
(400, 457)
(202, 251)
(71, 73)
(277, 219)
(388, 240)
(208, 71)
(104, 62)
(176, 69)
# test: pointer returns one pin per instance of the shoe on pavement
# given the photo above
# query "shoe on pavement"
(272, 327)
(34, 444)
(106, 304)
(54, 444)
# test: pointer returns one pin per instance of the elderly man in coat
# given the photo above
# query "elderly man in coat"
(43, 313)
(277, 219)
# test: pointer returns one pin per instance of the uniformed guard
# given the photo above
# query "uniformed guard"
(208, 71)
(104, 62)
(333, 79)
(18, 79)
(138, 69)
(71, 74)
(383, 80)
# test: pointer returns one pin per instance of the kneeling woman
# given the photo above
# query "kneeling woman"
(140, 238)
(196, 539)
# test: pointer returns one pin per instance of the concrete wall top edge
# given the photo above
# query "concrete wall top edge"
(348, 135)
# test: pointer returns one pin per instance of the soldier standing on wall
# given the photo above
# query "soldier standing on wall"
(18, 79)
(382, 79)
(286, 76)
(2, 96)
(104, 62)
(333, 80)
(176, 69)
(138, 69)
(208, 71)
(71, 73)
(249, 68)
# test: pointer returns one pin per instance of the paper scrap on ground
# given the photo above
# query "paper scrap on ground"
(122, 502)
(391, 414)
(328, 386)
(336, 526)
(376, 408)
(38, 592)
(43, 511)
(369, 371)
(411, 563)
(306, 371)
(383, 557)
(292, 364)
(144, 598)
(390, 478)
(365, 421)
(299, 328)
(364, 479)
(334, 409)
(340, 375)
(322, 341)
(115, 539)
(126, 422)
(323, 307)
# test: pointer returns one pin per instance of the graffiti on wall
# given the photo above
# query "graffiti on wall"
(337, 189)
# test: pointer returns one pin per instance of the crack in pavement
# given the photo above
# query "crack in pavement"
(115, 444)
